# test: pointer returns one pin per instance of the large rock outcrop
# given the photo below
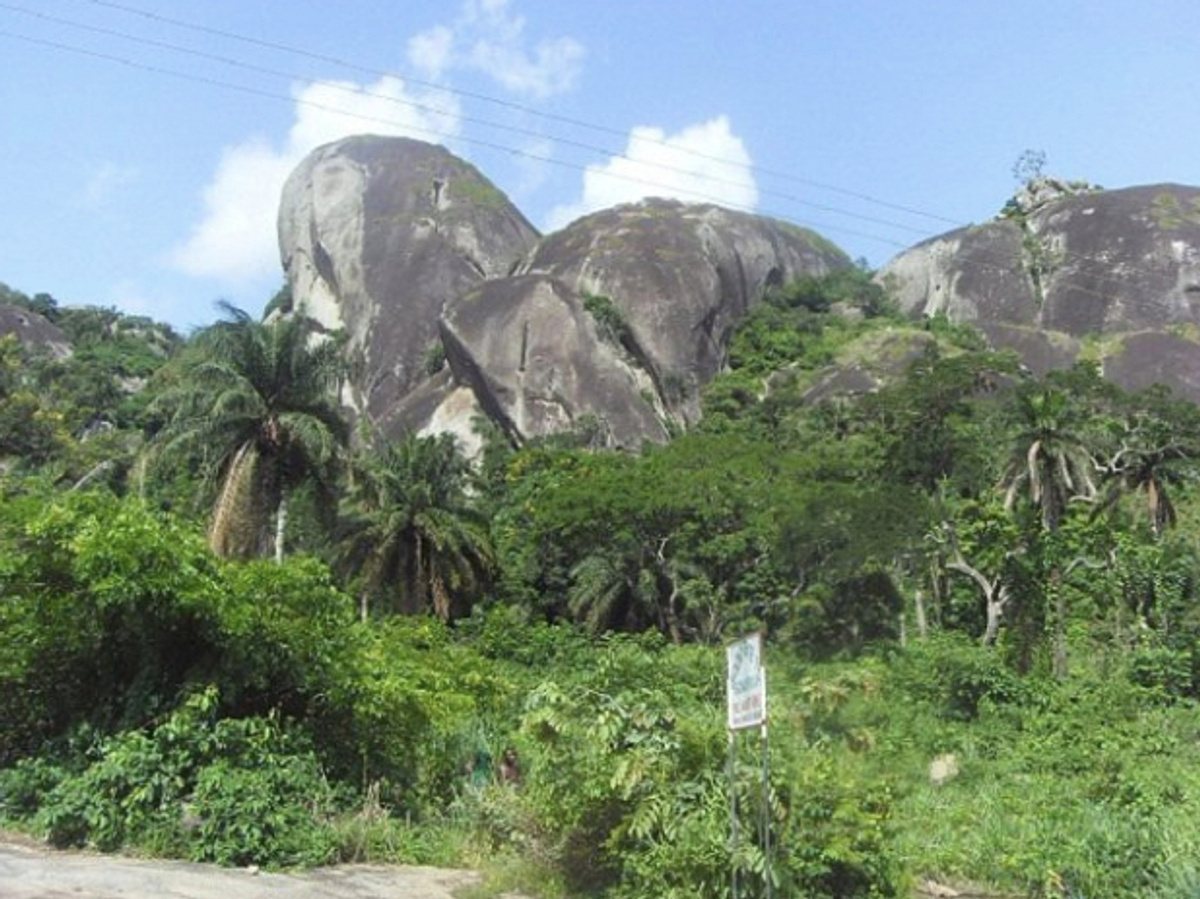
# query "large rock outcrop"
(538, 363)
(377, 235)
(614, 323)
(620, 319)
(681, 277)
(1107, 275)
(34, 331)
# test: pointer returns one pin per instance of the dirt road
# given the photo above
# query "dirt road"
(29, 871)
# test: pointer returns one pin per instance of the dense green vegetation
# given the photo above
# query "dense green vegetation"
(233, 634)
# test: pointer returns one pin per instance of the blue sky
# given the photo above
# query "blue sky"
(144, 141)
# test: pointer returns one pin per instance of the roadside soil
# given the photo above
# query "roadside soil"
(30, 870)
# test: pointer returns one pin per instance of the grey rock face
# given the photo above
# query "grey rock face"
(377, 235)
(681, 276)
(536, 361)
(33, 330)
(411, 250)
(1115, 274)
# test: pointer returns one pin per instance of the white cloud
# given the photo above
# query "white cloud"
(105, 182)
(488, 38)
(704, 163)
(235, 241)
(431, 51)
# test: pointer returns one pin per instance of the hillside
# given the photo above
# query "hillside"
(1074, 273)
(241, 629)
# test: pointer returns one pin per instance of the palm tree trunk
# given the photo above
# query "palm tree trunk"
(421, 585)
(1060, 624)
(922, 623)
(441, 596)
(280, 527)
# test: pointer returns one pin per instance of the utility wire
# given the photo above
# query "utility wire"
(1006, 265)
(433, 110)
(433, 132)
(511, 106)
(566, 120)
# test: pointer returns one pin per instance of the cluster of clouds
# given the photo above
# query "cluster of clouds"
(487, 37)
(701, 163)
(235, 240)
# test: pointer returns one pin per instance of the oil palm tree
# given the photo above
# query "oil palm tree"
(1156, 450)
(413, 533)
(257, 403)
(1050, 465)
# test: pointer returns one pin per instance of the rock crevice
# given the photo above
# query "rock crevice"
(405, 247)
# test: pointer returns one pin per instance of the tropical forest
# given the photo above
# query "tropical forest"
(241, 625)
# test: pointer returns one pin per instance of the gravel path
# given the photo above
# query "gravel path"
(31, 871)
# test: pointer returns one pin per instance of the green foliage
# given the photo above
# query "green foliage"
(162, 699)
(434, 359)
(1081, 792)
(102, 614)
(627, 786)
(412, 534)
(773, 337)
(939, 425)
(954, 679)
(42, 303)
(235, 791)
(281, 303)
(609, 320)
(70, 416)
(957, 334)
(686, 526)
(255, 406)
(850, 288)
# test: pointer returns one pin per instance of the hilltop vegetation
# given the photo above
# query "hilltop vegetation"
(241, 629)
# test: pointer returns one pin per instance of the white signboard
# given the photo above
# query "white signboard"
(746, 683)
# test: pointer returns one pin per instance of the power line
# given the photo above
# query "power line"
(579, 123)
(433, 110)
(512, 106)
(433, 132)
(1005, 265)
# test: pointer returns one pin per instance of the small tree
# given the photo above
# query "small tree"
(257, 402)
(412, 530)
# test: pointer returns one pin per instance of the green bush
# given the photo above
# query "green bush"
(627, 789)
(272, 811)
(955, 677)
(1164, 670)
(234, 791)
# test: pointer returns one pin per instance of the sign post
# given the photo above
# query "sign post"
(746, 706)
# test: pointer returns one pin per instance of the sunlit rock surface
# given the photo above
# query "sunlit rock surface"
(455, 309)
(1112, 276)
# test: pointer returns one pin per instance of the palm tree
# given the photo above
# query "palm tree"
(413, 530)
(1049, 463)
(258, 403)
(630, 586)
(1051, 466)
(1156, 448)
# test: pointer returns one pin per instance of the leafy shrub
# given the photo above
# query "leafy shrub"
(955, 677)
(235, 791)
(627, 789)
(268, 811)
(1164, 670)
(609, 321)
(24, 786)
(102, 619)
